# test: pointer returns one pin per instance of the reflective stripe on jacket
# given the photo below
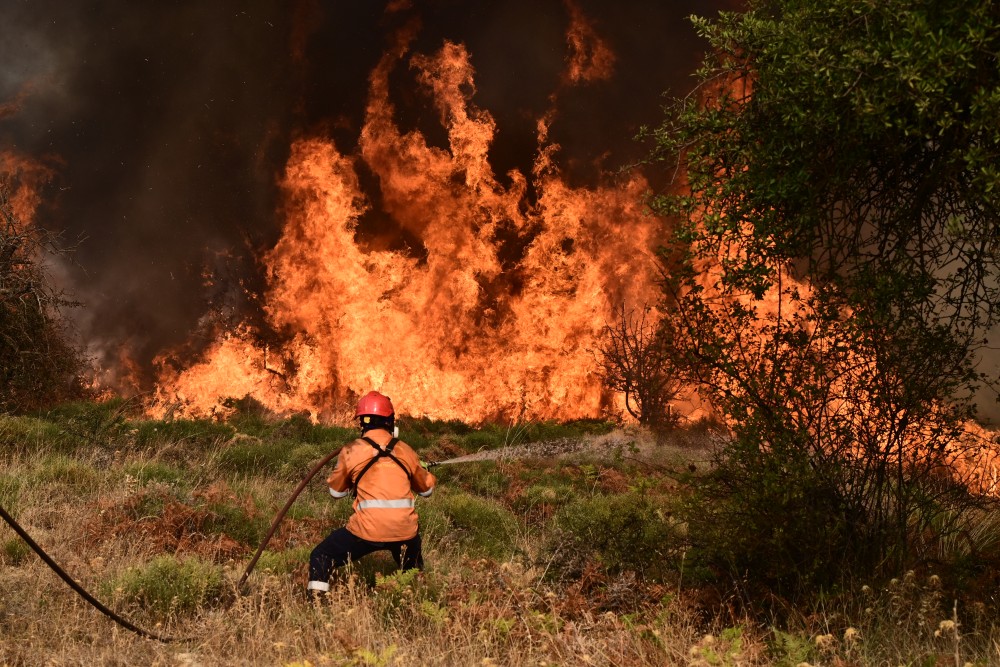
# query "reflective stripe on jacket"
(383, 505)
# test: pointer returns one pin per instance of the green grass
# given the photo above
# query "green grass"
(67, 472)
(156, 471)
(283, 562)
(170, 585)
(32, 434)
(200, 432)
(10, 491)
(485, 527)
(15, 551)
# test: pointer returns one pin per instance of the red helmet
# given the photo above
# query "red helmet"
(374, 403)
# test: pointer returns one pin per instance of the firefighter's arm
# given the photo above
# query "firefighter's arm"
(423, 481)
(339, 480)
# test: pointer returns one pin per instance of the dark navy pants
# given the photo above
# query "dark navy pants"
(342, 546)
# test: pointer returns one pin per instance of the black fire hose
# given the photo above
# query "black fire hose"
(77, 587)
(281, 515)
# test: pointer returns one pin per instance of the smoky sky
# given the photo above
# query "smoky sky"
(167, 124)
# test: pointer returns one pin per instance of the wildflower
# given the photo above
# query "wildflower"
(824, 642)
(708, 640)
(945, 627)
(934, 581)
(851, 635)
(866, 589)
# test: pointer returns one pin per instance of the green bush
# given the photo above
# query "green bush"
(484, 526)
(145, 505)
(552, 495)
(166, 584)
(93, 422)
(550, 430)
(633, 532)
(236, 522)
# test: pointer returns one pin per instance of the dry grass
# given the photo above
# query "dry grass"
(106, 515)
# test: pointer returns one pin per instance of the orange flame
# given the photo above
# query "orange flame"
(590, 58)
(25, 178)
(495, 316)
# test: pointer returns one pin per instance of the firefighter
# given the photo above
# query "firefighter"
(382, 473)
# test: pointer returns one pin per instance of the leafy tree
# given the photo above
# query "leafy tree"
(834, 268)
(38, 365)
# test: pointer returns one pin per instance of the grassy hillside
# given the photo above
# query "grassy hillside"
(570, 554)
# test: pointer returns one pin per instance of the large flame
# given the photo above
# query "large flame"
(494, 315)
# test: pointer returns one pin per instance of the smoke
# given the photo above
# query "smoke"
(167, 126)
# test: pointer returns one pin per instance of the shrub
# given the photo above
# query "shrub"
(250, 416)
(38, 365)
(797, 525)
(166, 584)
(93, 422)
(491, 437)
(484, 526)
(299, 428)
(546, 495)
(624, 533)
(242, 525)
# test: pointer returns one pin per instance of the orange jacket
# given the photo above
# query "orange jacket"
(383, 506)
